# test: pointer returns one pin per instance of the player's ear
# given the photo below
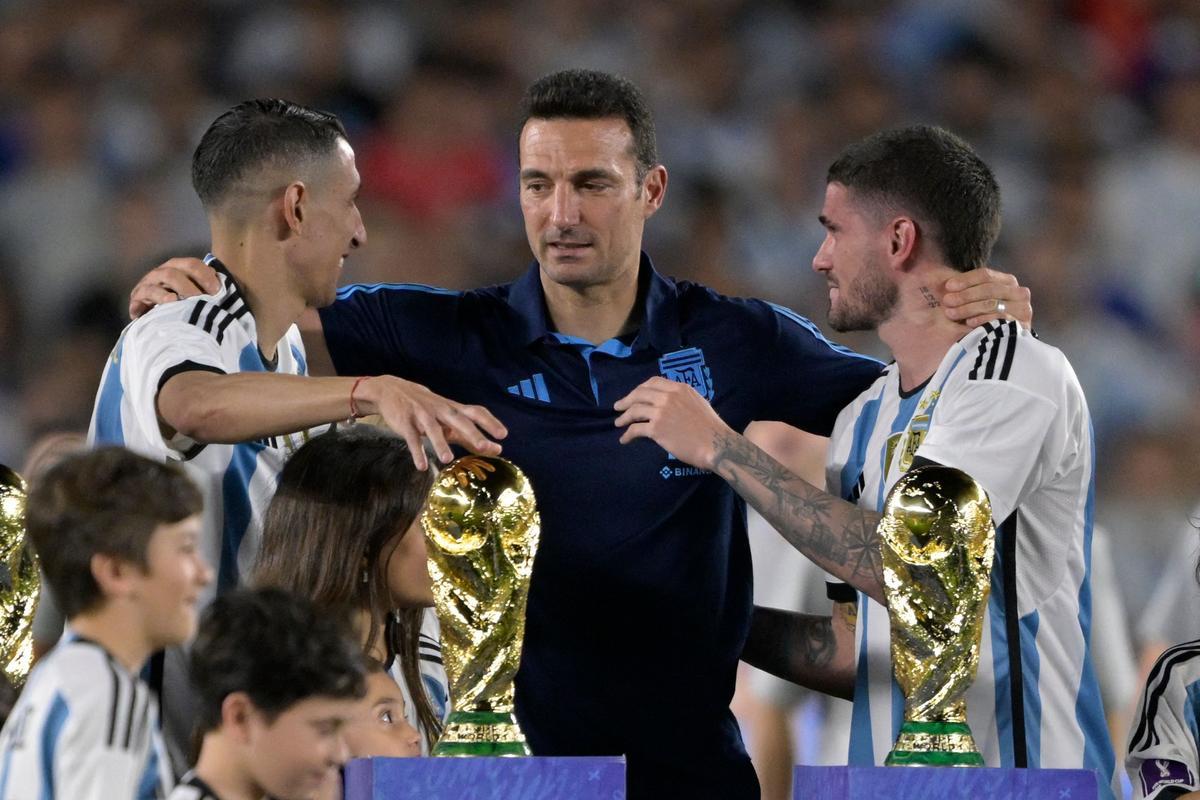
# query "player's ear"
(902, 240)
(295, 196)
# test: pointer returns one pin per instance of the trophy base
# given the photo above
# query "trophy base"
(481, 733)
(934, 744)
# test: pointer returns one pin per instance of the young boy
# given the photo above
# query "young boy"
(276, 685)
(382, 728)
(116, 534)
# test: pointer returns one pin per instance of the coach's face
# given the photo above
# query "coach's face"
(861, 292)
(583, 204)
(331, 226)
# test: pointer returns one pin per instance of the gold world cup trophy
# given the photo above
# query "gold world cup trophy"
(19, 581)
(482, 526)
(937, 541)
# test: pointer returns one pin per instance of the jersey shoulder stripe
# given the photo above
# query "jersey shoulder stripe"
(352, 289)
(127, 706)
(806, 324)
(994, 356)
(206, 314)
(1169, 665)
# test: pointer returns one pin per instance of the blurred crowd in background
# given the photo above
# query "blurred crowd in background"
(1089, 111)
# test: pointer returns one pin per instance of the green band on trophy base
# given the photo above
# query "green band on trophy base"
(934, 744)
(937, 544)
(481, 733)
(482, 528)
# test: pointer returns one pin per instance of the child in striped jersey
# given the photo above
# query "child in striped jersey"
(343, 529)
(277, 680)
(117, 537)
(1163, 757)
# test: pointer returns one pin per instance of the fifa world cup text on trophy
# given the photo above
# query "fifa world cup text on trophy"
(482, 526)
(937, 541)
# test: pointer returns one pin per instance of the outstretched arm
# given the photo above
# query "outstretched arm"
(211, 407)
(813, 651)
(839, 536)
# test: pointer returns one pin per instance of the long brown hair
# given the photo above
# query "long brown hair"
(341, 499)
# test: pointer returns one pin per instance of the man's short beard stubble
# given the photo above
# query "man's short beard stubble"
(867, 303)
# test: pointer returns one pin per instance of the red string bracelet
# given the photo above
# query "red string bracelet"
(354, 413)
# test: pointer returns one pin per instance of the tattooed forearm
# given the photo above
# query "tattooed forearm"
(801, 648)
(838, 536)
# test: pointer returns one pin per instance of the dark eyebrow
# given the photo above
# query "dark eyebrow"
(597, 173)
(531, 174)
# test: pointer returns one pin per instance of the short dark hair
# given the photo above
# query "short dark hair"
(275, 646)
(107, 501)
(933, 175)
(589, 94)
(254, 134)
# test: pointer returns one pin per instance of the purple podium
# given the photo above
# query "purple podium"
(927, 783)
(486, 779)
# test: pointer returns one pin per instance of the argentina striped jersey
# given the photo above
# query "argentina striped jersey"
(1008, 410)
(84, 728)
(214, 333)
(1164, 751)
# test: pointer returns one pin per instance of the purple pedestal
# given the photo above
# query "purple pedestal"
(486, 779)
(926, 783)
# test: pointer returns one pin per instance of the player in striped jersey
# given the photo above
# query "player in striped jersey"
(278, 680)
(1163, 758)
(218, 381)
(903, 211)
(117, 537)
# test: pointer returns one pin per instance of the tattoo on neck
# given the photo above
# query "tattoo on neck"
(930, 300)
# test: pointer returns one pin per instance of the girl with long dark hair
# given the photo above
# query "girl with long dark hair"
(344, 530)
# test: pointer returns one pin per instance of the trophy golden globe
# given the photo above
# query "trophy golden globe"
(19, 581)
(937, 541)
(482, 526)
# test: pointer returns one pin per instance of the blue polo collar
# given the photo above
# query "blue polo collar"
(659, 328)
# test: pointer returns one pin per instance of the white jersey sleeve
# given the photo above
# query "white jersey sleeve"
(994, 431)
(152, 350)
(1162, 759)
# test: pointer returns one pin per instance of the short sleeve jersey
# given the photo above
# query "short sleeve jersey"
(213, 333)
(641, 592)
(1163, 758)
(1006, 409)
(83, 728)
